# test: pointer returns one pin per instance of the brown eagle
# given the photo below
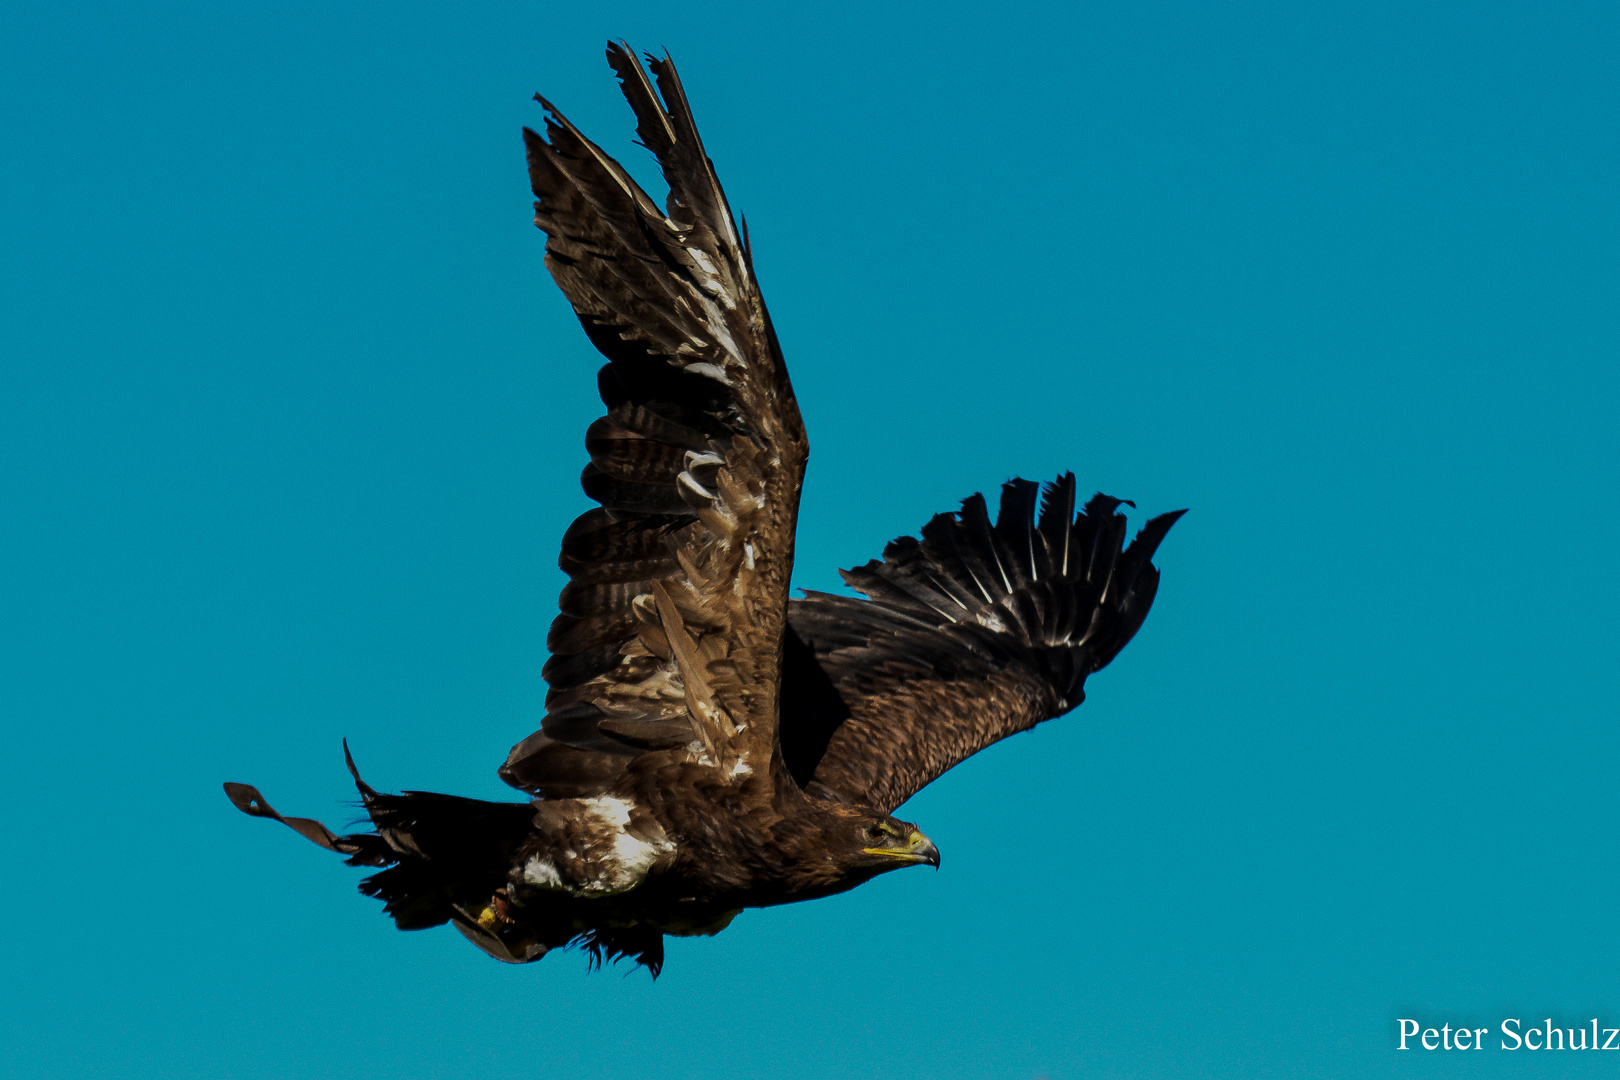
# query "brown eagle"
(710, 744)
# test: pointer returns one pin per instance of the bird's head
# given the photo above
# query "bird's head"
(881, 843)
(836, 846)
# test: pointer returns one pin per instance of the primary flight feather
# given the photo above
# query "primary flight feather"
(710, 744)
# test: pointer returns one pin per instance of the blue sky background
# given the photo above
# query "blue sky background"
(291, 416)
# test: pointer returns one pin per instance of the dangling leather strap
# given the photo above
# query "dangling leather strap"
(247, 799)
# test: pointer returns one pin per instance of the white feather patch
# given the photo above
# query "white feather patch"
(709, 371)
(619, 868)
(712, 276)
(715, 322)
(632, 856)
(542, 872)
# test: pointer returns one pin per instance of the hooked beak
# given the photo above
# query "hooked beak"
(918, 849)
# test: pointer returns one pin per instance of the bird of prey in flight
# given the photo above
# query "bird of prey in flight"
(710, 744)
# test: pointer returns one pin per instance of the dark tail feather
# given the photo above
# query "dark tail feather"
(443, 855)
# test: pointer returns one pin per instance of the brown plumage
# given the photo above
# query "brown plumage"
(708, 744)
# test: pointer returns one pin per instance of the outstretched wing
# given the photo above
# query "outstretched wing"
(671, 624)
(971, 634)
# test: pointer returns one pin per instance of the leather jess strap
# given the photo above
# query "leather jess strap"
(246, 798)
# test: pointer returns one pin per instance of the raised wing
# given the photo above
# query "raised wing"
(671, 623)
(971, 634)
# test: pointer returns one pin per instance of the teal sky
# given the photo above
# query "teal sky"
(291, 421)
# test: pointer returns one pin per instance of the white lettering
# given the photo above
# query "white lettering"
(1544, 1036)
